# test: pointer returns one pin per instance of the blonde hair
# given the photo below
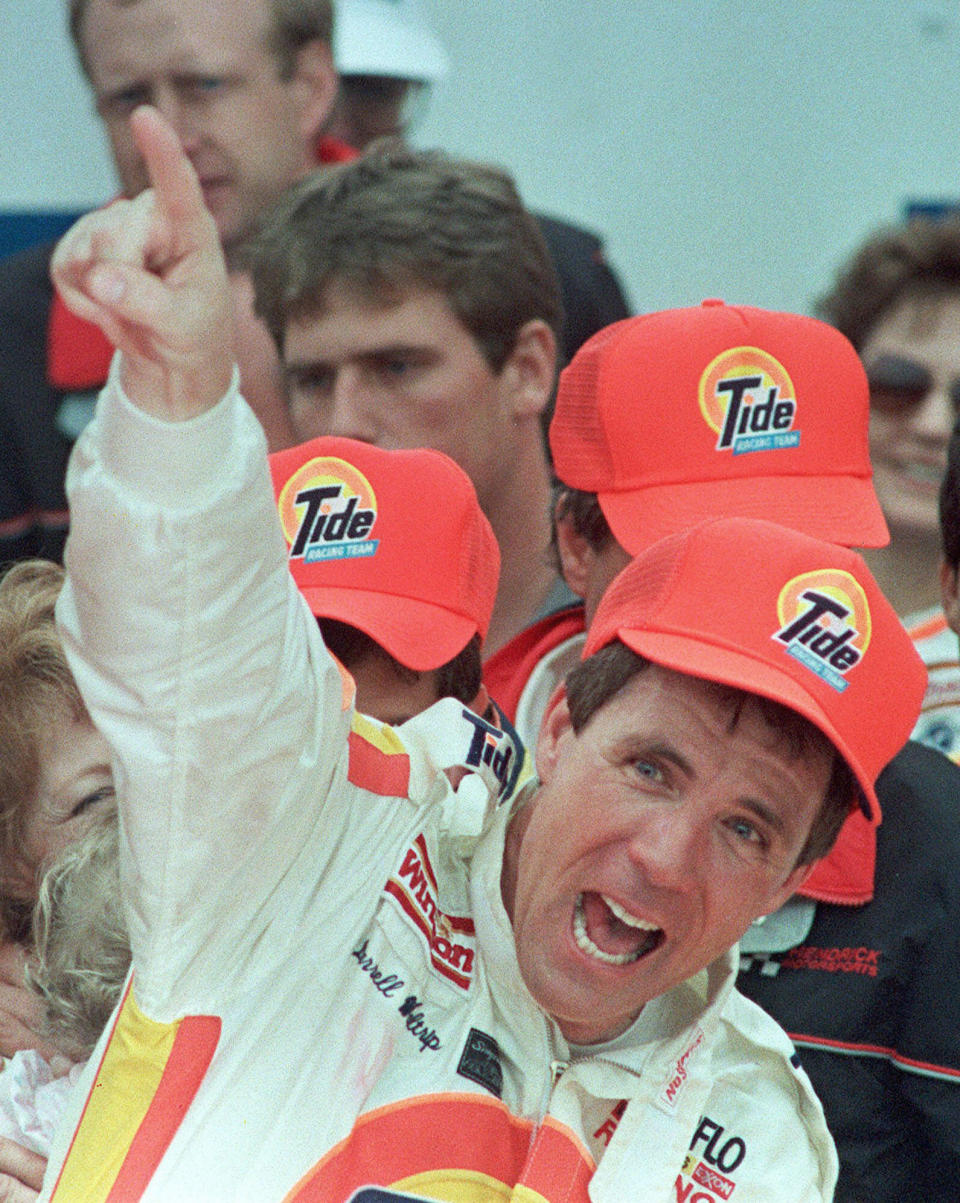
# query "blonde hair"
(82, 952)
(36, 687)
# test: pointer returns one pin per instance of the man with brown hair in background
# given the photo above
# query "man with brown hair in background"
(414, 304)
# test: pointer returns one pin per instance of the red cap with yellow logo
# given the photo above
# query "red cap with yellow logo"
(391, 542)
(775, 612)
(681, 415)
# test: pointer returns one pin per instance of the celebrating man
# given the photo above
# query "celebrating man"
(358, 959)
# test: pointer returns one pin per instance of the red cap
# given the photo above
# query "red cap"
(778, 613)
(391, 542)
(677, 416)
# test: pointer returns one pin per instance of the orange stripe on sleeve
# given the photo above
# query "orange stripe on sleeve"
(147, 1079)
(378, 762)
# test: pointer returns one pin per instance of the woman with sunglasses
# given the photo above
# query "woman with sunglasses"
(898, 301)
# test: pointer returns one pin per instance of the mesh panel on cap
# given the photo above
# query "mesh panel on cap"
(577, 440)
(476, 577)
(635, 596)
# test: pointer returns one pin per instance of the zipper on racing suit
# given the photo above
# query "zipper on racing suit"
(557, 1069)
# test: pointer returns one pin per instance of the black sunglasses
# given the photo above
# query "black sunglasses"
(898, 384)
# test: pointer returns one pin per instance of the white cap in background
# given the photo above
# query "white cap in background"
(387, 37)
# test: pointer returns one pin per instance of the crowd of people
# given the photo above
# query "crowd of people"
(466, 753)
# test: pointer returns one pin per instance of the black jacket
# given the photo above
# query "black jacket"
(33, 448)
(871, 997)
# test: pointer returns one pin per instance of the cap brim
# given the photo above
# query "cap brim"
(420, 635)
(728, 666)
(838, 509)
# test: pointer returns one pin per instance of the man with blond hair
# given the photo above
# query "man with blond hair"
(248, 85)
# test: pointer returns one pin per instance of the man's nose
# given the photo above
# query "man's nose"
(935, 415)
(667, 846)
(352, 411)
(181, 116)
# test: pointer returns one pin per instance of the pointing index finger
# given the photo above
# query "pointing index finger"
(174, 181)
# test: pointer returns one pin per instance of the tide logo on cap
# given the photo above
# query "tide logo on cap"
(825, 623)
(747, 398)
(327, 510)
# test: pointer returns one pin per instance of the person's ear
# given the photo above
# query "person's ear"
(530, 370)
(949, 594)
(554, 729)
(316, 78)
(575, 551)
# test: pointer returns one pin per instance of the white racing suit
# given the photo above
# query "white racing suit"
(324, 995)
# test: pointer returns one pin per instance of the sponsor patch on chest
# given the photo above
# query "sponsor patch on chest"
(450, 939)
(710, 1165)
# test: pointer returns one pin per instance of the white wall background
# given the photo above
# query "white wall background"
(724, 147)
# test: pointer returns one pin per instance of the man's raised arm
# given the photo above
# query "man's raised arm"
(190, 644)
(150, 273)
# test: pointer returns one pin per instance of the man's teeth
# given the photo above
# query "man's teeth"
(585, 944)
(625, 917)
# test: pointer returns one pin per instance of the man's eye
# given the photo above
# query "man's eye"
(393, 369)
(647, 770)
(92, 799)
(316, 382)
(122, 104)
(748, 832)
(204, 85)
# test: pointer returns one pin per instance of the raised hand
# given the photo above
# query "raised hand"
(150, 273)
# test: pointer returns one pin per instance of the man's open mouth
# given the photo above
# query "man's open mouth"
(604, 930)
